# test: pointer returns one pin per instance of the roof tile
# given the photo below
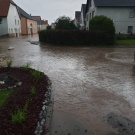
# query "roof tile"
(4, 7)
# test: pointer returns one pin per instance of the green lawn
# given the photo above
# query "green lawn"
(4, 96)
(126, 42)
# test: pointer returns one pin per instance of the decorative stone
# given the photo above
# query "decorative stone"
(43, 113)
(19, 84)
(2, 82)
(10, 48)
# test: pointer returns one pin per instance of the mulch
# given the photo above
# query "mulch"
(18, 99)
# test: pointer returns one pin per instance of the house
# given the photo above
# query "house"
(11, 24)
(77, 20)
(28, 24)
(39, 21)
(53, 25)
(122, 12)
(82, 23)
(44, 24)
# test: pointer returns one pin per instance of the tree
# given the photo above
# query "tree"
(49, 27)
(65, 23)
(102, 23)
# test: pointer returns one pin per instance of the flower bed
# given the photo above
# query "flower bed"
(20, 114)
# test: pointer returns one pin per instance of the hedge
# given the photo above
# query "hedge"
(76, 37)
(125, 36)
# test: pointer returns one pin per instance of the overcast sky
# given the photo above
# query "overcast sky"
(51, 9)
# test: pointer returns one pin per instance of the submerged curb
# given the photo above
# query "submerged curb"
(43, 114)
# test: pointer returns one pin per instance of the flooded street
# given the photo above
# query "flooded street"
(93, 88)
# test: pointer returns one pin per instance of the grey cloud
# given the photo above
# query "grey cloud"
(51, 9)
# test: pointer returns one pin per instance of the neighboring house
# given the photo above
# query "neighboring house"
(10, 24)
(77, 20)
(39, 21)
(44, 24)
(28, 24)
(83, 22)
(122, 12)
(53, 25)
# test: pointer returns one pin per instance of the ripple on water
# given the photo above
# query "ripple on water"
(120, 57)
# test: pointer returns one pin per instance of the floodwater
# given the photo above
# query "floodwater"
(93, 88)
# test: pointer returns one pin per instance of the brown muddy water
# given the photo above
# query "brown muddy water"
(93, 88)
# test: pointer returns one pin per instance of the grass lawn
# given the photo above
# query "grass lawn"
(4, 96)
(126, 42)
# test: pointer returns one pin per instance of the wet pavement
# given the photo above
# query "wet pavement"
(93, 88)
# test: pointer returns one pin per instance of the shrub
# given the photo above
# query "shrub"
(20, 114)
(9, 63)
(102, 23)
(4, 95)
(33, 90)
(26, 67)
(76, 37)
(36, 74)
(65, 23)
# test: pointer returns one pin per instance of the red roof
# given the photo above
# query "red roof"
(36, 18)
(44, 22)
(4, 7)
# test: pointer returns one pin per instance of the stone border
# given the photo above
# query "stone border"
(11, 87)
(43, 114)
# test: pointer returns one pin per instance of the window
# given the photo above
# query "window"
(9, 30)
(15, 21)
(131, 13)
(130, 29)
(0, 20)
(18, 22)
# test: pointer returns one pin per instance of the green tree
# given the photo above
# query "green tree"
(49, 27)
(102, 23)
(65, 23)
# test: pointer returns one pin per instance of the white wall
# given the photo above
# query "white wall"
(3, 27)
(89, 14)
(44, 27)
(82, 20)
(120, 17)
(13, 27)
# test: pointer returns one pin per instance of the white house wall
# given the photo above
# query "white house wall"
(44, 27)
(88, 16)
(120, 17)
(82, 19)
(3, 27)
(14, 26)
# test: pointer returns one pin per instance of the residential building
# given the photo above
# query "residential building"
(28, 24)
(77, 20)
(44, 24)
(11, 24)
(83, 21)
(122, 12)
(39, 21)
(53, 25)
